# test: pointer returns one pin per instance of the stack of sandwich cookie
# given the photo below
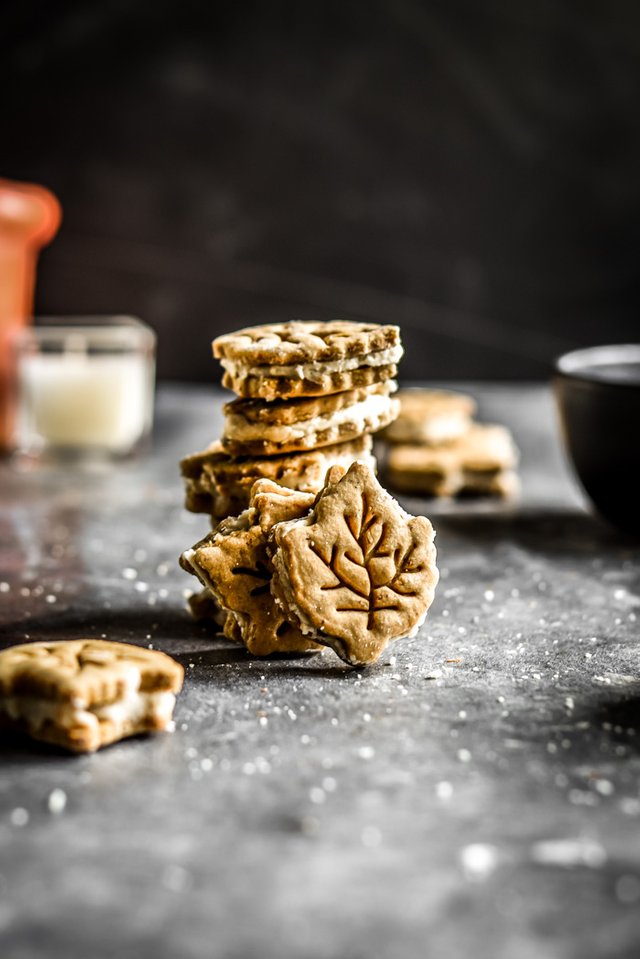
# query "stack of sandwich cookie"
(309, 397)
(348, 568)
(436, 449)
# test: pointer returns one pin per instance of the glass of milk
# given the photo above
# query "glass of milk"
(85, 386)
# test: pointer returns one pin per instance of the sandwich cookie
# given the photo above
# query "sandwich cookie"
(358, 571)
(87, 693)
(430, 417)
(305, 358)
(233, 565)
(220, 484)
(255, 427)
(482, 461)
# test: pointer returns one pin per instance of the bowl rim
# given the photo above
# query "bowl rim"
(571, 365)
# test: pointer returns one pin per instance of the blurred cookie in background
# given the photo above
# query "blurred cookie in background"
(430, 417)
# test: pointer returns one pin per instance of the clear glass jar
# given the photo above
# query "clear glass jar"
(85, 386)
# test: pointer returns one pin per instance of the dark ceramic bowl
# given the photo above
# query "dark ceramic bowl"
(598, 395)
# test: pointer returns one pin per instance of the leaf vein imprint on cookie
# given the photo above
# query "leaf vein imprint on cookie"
(259, 590)
(260, 572)
(357, 552)
(359, 577)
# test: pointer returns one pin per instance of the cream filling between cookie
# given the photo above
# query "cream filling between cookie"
(315, 371)
(360, 416)
(131, 708)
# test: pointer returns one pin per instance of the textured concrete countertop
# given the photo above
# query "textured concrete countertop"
(477, 793)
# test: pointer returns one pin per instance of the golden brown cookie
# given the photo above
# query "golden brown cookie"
(232, 562)
(359, 571)
(220, 484)
(480, 462)
(430, 417)
(304, 341)
(255, 427)
(272, 388)
(84, 694)
(305, 358)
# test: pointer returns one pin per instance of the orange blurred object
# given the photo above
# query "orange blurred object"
(29, 219)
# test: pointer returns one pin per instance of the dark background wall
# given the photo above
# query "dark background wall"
(468, 169)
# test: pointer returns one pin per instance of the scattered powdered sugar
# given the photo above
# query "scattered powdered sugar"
(478, 861)
(57, 801)
(613, 679)
(567, 853)
(19, 816)
(444, 790)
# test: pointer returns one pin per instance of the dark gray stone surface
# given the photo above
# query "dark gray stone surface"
(476, 793)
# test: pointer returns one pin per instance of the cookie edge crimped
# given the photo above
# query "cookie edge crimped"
(352, 339)
(285, 593)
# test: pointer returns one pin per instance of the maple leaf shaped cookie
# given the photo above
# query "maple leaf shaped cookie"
(232, 562)
(358, 571)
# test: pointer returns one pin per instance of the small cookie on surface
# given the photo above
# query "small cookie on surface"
(305, 358)
(255, 427)
(480, 462)
(430, 417)
(358, 571)
(87, 693)
(232, 562)
(220, 484)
